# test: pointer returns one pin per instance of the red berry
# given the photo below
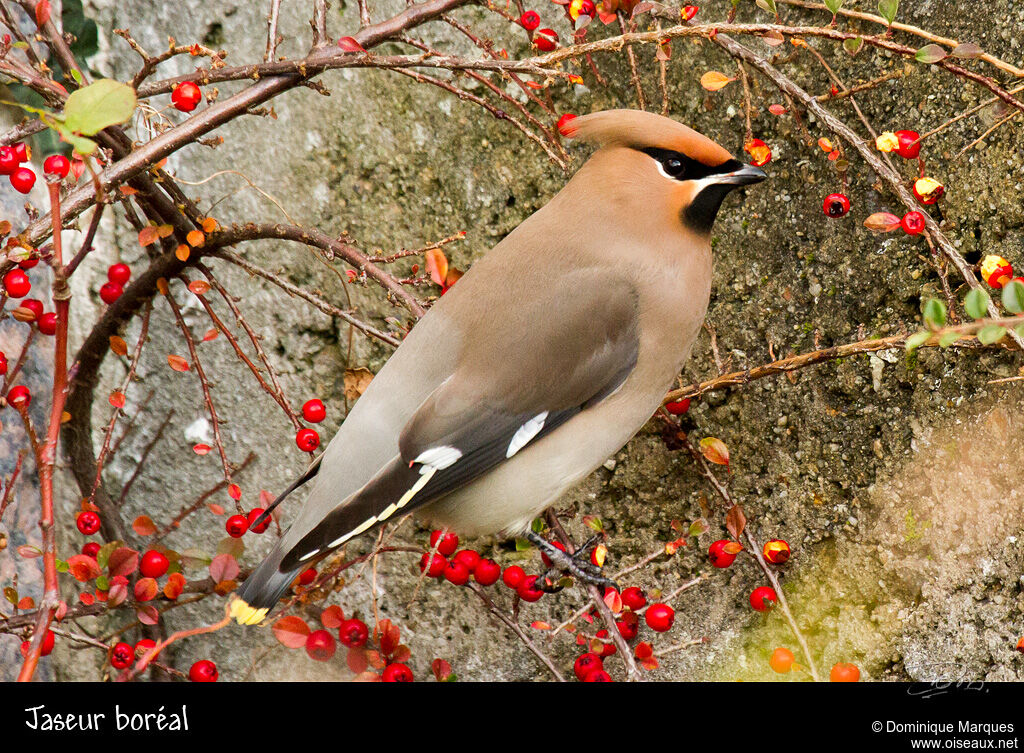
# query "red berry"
(236, 526)
(836, 205)
(530, 21)
(457, 573)
(122, 656)
(57, 165)
(469, 558)
(16, 284)
(634, 598)
(556, 545)
(487, 572)
(88, 522)
(320, 645)
(307, 440)
(908, 149)
(436, 567)
(719, 556)
(396, 673)
(545, 40)
(8, 160)
(48, 324)
(34, 305)
(526, 591)
(19, 396)
(678, 407)
(307, 576)
(448, 544)
(598, 675)
(314, 411)
(628, 626)
(912, 223)
(110, 292)
(608, 648)
(776, 551)
(143, 645)
(843, 672)
(186, 96)
(3, 363)
(254, 513)
(928, 190)
(153, 564)
(659, 617)
(353, 632)
(203, 670)
(119, 273)
(91, 549)
(762, 599)
(23, 179)
(513, 576)
(45, 649)
(586, 664)
(21, 152)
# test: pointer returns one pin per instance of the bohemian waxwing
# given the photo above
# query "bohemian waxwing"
(545, 359)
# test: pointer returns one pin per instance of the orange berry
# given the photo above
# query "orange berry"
(782, 660)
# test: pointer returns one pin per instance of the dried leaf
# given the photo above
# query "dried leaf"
(882, 222)
(930, 53)
(148, 235)
(174, 586)
(777, 109)
(146, 589)
(773, 39)
(123, 561)
(196, 238)
(118, 345)
(442, 670)
(211, 334)
(735, 521)
(356, 381)
(182, 252)
(437, 266)
(713, 80)
(291, 631)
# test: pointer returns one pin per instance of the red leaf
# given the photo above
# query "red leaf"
(146, 589)
(882, 222)
(42, 13)
(201, 449)
(148, 615)
(26, 602)
(235, 492)
(291, 631)
(116, 399)
(199, 287)
(442, 670)
(83, 567)
(332, 617)
(215, 508)
(356, 659)
(211, 334)
(714, 450)
(174, 586)
(30, 552)
(148, 235)
(224, 567)
(144, 526)
(118, 593)
(87, 599)
(177, 363)
(348, 44)
(123, 561)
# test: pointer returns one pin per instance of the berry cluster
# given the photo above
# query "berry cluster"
(722, 554)
(12, 164)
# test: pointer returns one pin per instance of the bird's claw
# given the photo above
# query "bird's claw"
(577, 565)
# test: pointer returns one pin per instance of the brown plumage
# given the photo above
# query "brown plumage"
(544, 359)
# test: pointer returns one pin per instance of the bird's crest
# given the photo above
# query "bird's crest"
(637, 129)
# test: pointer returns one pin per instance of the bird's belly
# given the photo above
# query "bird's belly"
(508, 498)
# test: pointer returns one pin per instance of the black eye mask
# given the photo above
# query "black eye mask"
(681, 167)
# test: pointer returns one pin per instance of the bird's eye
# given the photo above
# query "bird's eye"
(674, 167)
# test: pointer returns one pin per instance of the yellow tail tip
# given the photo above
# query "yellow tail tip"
(245, 614)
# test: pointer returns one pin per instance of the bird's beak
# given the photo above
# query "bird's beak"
(744, 176)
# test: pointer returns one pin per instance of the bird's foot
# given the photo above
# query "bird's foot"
(578, 565)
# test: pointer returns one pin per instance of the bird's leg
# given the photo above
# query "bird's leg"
(577, 564)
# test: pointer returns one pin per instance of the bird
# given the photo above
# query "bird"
(540, 363)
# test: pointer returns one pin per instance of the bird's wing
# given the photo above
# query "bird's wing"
(558, 353)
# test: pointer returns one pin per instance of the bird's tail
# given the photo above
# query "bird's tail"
(262, 589)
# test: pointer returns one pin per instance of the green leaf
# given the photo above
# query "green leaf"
(76, 76)
(60, 565)
(853, 46)
(934, 313)
(1013, 296)
(930, 53)
(948, 338)
(104, 103)
(833, 6)
(768, 5)
(1019, 329)
(976, 303)
(523, 545)
(916, 340)
(103, 583)
(887, 9)
(991, 333)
